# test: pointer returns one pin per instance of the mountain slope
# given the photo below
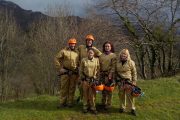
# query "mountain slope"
(24, 18)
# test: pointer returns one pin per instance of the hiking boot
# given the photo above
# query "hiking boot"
(101, 106)
(61, 106)
(94, 112)
(133, 112)
(70, 105)
(121, 110)
(89, 108)
(107, 107)
(85, 111)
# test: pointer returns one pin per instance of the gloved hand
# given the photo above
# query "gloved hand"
(97, 82)
(134, 83)
(62, 71)
(110, 76)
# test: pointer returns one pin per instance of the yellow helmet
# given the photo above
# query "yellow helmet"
(90, 36)
(72, 41)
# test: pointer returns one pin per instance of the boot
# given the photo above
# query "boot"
(85, 111)
(61, 106)
(133, 112)
(121, 110)
(94, 112)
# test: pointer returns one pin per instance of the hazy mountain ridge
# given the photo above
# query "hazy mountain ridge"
(24, 18)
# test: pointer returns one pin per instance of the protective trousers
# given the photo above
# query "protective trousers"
(125, 97)
(80, 87)
(89, 95)
(106, 95)
(106, 98)
(67, 88)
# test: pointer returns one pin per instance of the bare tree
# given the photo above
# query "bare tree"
(47, 37)
(142, 20)
(9, 51)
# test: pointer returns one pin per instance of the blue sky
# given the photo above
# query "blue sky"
(78, 6)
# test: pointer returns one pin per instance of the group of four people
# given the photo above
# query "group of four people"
(86, 65)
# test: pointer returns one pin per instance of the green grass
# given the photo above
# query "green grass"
(160, 102)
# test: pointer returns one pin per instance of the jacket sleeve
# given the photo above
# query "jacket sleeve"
(79, 52)
(58, 60)
(97, 52)
(81, 70)
(98, 69)
(78, 60)
(113, 64)
(133, 71)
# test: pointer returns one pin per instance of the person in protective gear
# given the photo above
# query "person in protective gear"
(66, 62)
(89, 70)
(89, 44)
(126, 72)
(82, 49)
(107, 68)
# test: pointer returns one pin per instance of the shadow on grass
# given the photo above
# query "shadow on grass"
(44, 103)
(100, 109)
(38, 104)
(51, 105)
(113, 110)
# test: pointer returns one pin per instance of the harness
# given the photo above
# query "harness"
(123, 83)
(126, 85)
(70, 72)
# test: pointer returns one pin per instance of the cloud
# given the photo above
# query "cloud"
(78, 6)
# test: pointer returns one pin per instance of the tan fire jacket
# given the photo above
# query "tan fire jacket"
(89, 68)
(107, 62)
(67, 59)
(83, 52)
(127, 70)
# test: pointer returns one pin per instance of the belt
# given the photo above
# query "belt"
(89, 79)
(104, 73)
(70, 72)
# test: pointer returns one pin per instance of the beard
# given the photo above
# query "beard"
(72, 47)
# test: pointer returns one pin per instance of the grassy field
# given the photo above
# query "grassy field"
(160, 102)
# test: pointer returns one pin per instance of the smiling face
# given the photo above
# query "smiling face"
(123, 57)
(72, 46)
(90, 54)
(107, 47)
(89, 42)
